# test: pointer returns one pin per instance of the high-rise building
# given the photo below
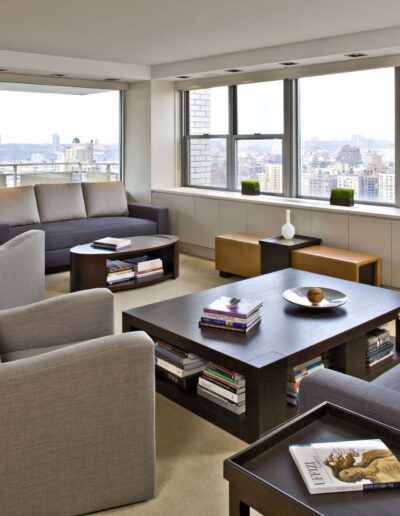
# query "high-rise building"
(79, 152)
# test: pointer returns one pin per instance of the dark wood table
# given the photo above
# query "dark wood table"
(265, 477)
(88, 264)
(276, 251)
(286, 336)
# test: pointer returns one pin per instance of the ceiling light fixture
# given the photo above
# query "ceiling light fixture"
(356, 54)
(234, 70)
(111, 79)
(288, 63)
(57, 75)
(183, 77)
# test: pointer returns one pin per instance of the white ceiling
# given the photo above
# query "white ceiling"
(156, 32)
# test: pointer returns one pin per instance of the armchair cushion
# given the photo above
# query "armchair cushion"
(18, 206)
(60, 202)
(105, 199)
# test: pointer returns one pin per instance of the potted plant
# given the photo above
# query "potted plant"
(342, 196)
(250, 187)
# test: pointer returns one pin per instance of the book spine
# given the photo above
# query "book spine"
(169, 367)
(383, 485)
(222, 374)
(224, 381)
(229, 314)
(236, 398)
(220, 322)
(220, 317)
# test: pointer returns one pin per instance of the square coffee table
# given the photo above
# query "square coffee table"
(286, 336)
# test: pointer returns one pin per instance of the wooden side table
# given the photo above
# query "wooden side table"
(339, 263)
(265, 477)
(276, 251)
(238, 254)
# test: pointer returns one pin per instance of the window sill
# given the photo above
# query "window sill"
(387, 212)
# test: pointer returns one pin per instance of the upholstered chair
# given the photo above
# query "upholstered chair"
(22, 270)
(76, 410)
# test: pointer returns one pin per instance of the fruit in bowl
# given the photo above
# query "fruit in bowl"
(315, 295)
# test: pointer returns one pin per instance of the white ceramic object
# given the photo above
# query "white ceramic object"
(288, 231)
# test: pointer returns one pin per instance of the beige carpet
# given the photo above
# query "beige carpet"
(190, 451)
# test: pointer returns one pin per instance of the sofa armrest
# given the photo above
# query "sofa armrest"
(77, 427)
(5, 232)
(66, 319)
(151, 212)
(352, 393)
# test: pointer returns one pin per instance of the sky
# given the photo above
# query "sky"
(332, 106)
(35, 117)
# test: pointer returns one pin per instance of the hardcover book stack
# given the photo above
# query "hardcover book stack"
(224, 387)
(148, 266)
(297, 373)
(178, 366)
(118, 270)
(111, 244)
(379, 347)
(233, 314)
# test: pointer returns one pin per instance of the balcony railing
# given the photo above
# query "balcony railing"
(22, 174)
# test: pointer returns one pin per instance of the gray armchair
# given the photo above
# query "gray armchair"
(22, 270)
(77, 408)
(378, 399)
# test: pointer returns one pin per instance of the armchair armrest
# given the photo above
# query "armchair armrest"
(67, 319)
(151, 212)
(352, 393)
(77, 427)
(5, 232)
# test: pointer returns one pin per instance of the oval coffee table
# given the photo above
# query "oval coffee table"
(88, 264)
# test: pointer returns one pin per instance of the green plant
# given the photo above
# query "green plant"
(250, 184)
(342, 193)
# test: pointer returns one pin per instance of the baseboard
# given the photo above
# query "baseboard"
(197, 250)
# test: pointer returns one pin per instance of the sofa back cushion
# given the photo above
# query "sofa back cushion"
(105, 199)
(60, 202)
(18, 206)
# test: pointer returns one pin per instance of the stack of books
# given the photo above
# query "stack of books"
(118, 270)
(178, 366)
(224, 387)
(147, 266)
(379, 347)
(112, 244)
(296, 374)
(232, 314)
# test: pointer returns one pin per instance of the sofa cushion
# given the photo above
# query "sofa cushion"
(67, 233)
(18, 206)
(105, 199)
(60, 202)
(390, 379)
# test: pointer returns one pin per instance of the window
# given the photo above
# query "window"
(233, 134)
(58, 134)
(347, 134)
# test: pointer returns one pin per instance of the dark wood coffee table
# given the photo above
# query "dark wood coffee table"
(286, 336)
(265, 477)
(88, 264)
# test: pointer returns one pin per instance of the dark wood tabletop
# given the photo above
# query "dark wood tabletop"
(285, 332)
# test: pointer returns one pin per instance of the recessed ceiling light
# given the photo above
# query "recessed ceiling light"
(3, 69)
(111, 79)
(288, 63)
(356, 54)
(183, 77)
(233, 70)
(57, 75)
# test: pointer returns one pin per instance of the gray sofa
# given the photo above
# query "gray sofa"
(379, 399)
(75, 213)
(77, 408)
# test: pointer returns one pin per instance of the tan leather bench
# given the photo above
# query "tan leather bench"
(238, 254)
(340, 263)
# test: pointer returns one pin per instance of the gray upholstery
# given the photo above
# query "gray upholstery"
(105, 199)
(67, 233)
(76, 423)
(372, 399)
(60, 202)
(22, 270)
(5, 232)
(152, 212)
(18, 206)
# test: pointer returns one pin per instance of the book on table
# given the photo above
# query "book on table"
(111, 243)
(346, 466)
(118, 271)
(379, 347)
(240, 317)
(179, 363)
(297, 373)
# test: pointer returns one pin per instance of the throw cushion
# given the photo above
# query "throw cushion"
(60, 202)
(105, 199)
(18, 206)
